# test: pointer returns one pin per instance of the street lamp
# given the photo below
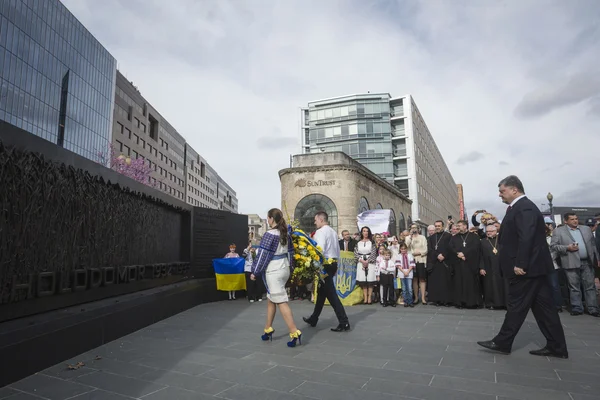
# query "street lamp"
(550, 197)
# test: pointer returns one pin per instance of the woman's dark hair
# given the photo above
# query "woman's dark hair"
(280, 224)
(368, 230)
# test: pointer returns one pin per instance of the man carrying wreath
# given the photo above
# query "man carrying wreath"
(327, 239)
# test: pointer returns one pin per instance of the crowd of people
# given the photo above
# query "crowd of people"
(459, 266)
(514, 265)
(455, 265)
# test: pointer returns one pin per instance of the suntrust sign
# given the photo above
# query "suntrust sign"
(309, 183)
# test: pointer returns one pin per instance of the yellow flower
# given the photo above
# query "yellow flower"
(297, 256)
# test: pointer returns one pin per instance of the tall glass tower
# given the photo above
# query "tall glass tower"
(358, 125)
(56, 80)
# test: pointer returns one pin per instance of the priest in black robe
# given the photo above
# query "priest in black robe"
(439, 272)
(466, 246)
(495, 287)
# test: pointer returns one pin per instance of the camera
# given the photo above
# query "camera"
(449, 217)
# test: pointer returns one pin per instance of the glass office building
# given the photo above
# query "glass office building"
(57, 81)
(358, 125)
(390, 137)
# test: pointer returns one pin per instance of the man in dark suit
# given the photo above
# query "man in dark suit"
(347, 243)
(525, 260)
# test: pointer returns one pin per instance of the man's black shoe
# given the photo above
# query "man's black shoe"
(575, 313)
(341, 328)
(393, 304)
(309, 321)
(490, 345)
(595, 314)
(546, 352)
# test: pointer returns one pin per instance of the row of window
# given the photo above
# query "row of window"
(171, 190)
(198, 182)
(197, 203)
(357, 108)
(140, 125)
(119, 92)
(126, 150)
(201, 195)
(350, 129)
(140, 141)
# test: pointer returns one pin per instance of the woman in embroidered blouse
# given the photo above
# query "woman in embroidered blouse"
(273, 263)
(365, 254)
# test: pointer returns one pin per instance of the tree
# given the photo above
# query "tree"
(137, 169)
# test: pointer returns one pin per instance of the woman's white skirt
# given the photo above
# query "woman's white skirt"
(275, 277)
(367, 276)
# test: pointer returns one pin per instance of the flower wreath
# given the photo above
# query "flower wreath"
(308, 256)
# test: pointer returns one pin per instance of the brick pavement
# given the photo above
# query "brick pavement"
(213, 351)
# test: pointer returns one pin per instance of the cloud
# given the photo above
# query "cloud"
(275, 142)
(585, 194)
(553, 95)
(503, 163)
(227, 73)
(594, 107)
(559, 167)
(469, 157)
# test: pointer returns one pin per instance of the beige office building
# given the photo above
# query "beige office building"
(139, 131)
(335, 183)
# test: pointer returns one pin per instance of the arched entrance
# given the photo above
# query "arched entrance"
(379, 206)
(401, 223)
(392, 227)
(309, 206)
(363, 205)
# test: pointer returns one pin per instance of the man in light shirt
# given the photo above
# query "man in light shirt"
(327, 239)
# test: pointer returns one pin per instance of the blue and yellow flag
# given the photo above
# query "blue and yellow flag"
(230, 273)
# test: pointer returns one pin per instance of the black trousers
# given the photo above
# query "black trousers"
(327, 291)
(387, 283)
(532, 293)
(254, 288)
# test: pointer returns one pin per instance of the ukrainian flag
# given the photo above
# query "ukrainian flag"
(230, 273)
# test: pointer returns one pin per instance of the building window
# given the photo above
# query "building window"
(363, 205)
(312, 204)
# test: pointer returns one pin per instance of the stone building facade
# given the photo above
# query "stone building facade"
(335, 183)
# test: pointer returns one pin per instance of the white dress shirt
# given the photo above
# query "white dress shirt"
(512, 204)
(327, 238)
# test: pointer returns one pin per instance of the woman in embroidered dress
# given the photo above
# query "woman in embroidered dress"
(273, 263)
(365, 255)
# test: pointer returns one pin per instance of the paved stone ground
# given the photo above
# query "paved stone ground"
(213, 351)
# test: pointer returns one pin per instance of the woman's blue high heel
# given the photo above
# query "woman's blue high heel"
(296, 338)
(268, 335)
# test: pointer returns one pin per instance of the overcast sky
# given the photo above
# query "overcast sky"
(505, 87)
